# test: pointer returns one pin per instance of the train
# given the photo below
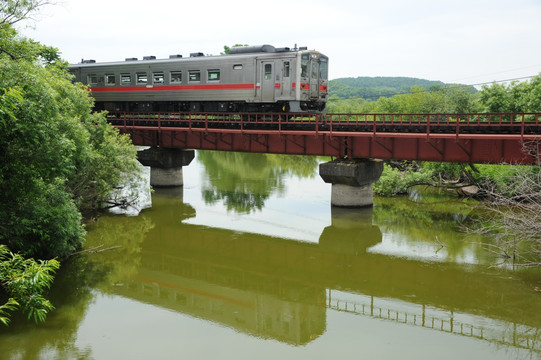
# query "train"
(251, 79)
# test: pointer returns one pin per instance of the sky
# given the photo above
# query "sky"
(454, 41)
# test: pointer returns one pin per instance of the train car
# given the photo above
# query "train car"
(248, 79)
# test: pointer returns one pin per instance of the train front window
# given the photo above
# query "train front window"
(305, 61)
(286, 69)
(324, 68)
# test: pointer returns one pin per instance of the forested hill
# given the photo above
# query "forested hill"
(371, 88)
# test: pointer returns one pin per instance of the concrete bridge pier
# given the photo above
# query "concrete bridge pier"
(165, 165)
(351, 181)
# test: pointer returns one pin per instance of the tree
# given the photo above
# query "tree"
(513, 97)
(227, 49)
(57, 158)
(13, 11)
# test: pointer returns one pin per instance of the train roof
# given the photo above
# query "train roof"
(235, 52)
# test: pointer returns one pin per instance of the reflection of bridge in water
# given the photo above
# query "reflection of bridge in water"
(281, 289)
(499, 332)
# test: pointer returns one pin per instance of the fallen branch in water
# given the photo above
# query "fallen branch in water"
(96, 250)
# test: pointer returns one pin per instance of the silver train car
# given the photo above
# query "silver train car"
(248, 79)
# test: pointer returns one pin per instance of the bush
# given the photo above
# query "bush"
(25, 281)
(396, 182)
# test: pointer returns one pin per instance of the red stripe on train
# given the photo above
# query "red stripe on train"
(175, 87)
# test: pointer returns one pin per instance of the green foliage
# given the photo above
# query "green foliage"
(25, 281)
(513, 97)
(57, 158)
(9, 306)
(396, 182)
(495, 98)
(509, 180)
(443, 170)
(351, 106)
(13, 11)
(18, 48)
(227, 49)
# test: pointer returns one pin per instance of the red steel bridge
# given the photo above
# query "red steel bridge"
(466, 138)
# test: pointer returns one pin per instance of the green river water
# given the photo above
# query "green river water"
(249, 261)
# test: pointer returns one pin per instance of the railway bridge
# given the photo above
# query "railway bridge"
(358, 141)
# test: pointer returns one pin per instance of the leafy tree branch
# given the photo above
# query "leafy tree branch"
(14, 11)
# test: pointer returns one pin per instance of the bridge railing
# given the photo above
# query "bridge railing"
(513, 123)
(437, 119)
(220, 120)
(481, 122)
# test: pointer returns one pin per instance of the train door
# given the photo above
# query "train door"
(286, 78)
(267, 81)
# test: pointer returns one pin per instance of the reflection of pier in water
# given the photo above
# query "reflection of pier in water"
(275, 288)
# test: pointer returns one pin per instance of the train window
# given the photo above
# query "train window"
(158, 78)
(142, 78)
(194, 75)
(305, 60)
(237, 67)
(92, 79)
(324, 68)
(125, 79)
(268, 71)
(213, 75)
(176, 77)
(315, 73)
(110, 79)
(286, 69)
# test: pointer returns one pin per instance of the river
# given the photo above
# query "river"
(249, 261)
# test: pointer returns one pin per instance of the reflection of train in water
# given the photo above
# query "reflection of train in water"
(249, 79)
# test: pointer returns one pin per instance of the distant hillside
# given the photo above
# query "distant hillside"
(371, 88)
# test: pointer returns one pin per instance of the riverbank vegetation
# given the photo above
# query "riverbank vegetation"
(58, 161)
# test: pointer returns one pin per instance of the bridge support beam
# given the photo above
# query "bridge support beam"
(351, 181)
(165, 165)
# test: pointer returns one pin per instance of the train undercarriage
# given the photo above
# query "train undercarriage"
(212, 106)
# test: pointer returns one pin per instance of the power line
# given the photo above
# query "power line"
(503, 81)
(499, 72)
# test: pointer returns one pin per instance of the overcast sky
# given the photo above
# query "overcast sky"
(456, 41)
